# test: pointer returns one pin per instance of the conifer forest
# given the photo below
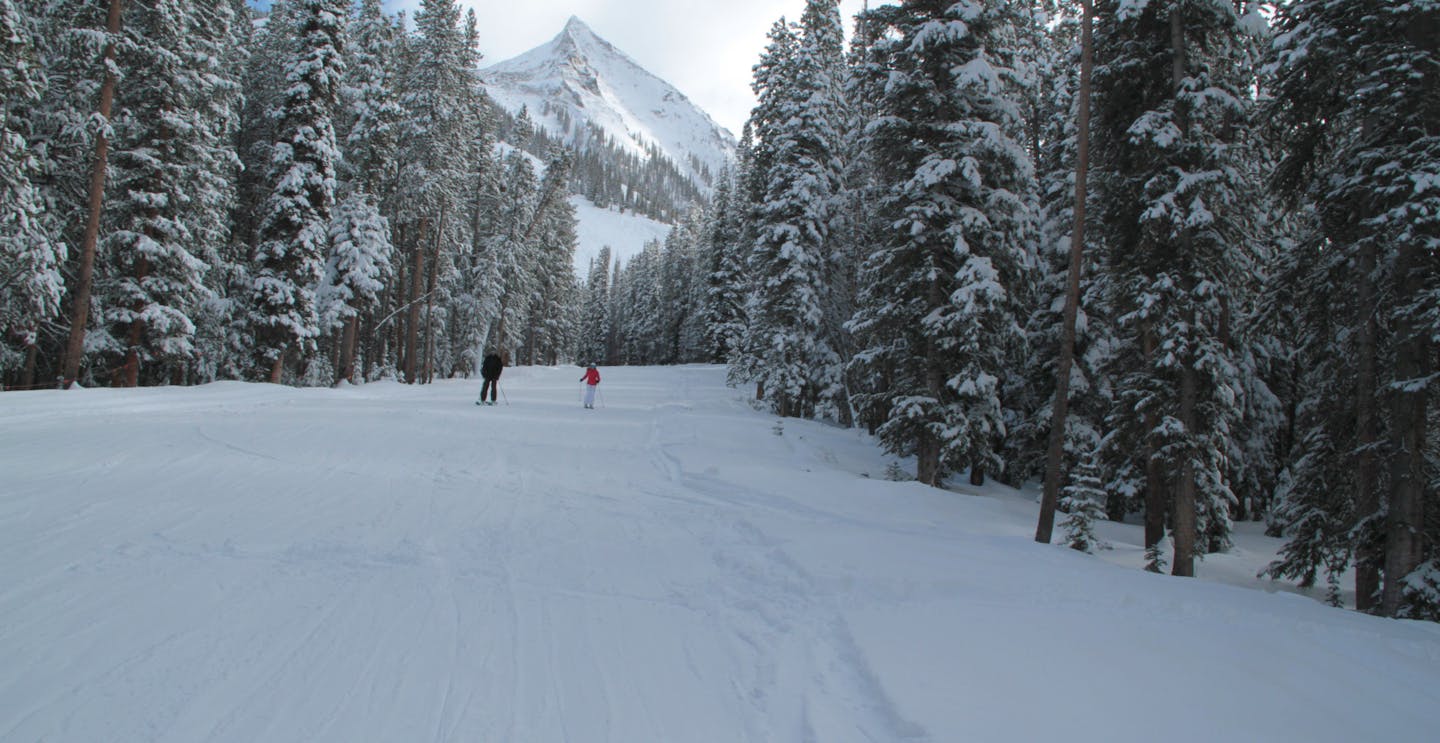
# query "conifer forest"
(1179, 260)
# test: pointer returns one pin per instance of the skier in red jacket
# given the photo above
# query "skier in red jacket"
(591, 380)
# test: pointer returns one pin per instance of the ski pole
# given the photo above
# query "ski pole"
(503, 396)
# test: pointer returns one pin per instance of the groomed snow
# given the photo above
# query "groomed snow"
(244, 563)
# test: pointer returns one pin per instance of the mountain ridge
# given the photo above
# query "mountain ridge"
(578, 78)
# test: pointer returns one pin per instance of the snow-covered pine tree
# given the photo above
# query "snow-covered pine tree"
(472, 298)
(743, 361)
(724, 284)
(936, 316)
(506, 258)
(31, 252)
(1052, 50)
(1175, 204)
(679, 290)
(616, 312)
(369, 132)
(551, 313)
(372, 112)
(863, 223)
(1083, 498)
(441, 101)
(799, 122)
(358, 267)
(79, 41)
(594, 311)
(1357, 98)
(643, 329)
(295, 218)
(174, 167)
(220, 47)
(264, 83)
(1264, 329)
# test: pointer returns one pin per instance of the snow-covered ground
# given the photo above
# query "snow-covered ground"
(625, 233)
(247, 563)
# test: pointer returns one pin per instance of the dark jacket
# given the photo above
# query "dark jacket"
(491, 366)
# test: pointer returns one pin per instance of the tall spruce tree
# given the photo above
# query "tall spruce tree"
(1174, 201)
(372, 112)
(937, 318)
(724, 281)
(31, 252)
(1358, 98)
(174, 165)
(356, 270)
(440, 98)
(293, 233)
(594, 314)
(799, 123)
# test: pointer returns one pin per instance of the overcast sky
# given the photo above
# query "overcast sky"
(703, 47)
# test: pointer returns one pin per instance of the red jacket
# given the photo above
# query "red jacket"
(592, 376)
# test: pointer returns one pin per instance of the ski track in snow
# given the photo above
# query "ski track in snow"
(390, 563)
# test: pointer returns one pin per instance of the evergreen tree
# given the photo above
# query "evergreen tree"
(1357, 98)
(355, 272)
(293, 232)
(81, 40)
(798, 124)
(936, 318)
(31, 252)
(724, 281)
(1083, 499)
(174, 165)
(441, 102)
(372, 112)
(1174, 203)
(595, 315)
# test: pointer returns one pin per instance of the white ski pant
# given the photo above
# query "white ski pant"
(590, 395)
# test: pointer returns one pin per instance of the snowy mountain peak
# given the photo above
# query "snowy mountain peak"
(578, 78)
(576, 29)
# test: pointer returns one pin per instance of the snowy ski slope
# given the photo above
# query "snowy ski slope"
(239, 563)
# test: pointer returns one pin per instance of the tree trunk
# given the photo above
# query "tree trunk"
(1367, 434)
(346, 366)
(927, 459)
(412, 323)
(1060, 411)
(1405, 523)
(927, 448)
(431, 279)
(1155, 500)
(27, 377)
(130, 375)
(277, 369)
(80, 313)
(1183, 514)
(500, 340)
(1183, 510)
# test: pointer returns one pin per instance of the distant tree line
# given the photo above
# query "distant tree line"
(195, 191)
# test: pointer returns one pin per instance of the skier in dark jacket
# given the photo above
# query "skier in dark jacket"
(490, 370)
